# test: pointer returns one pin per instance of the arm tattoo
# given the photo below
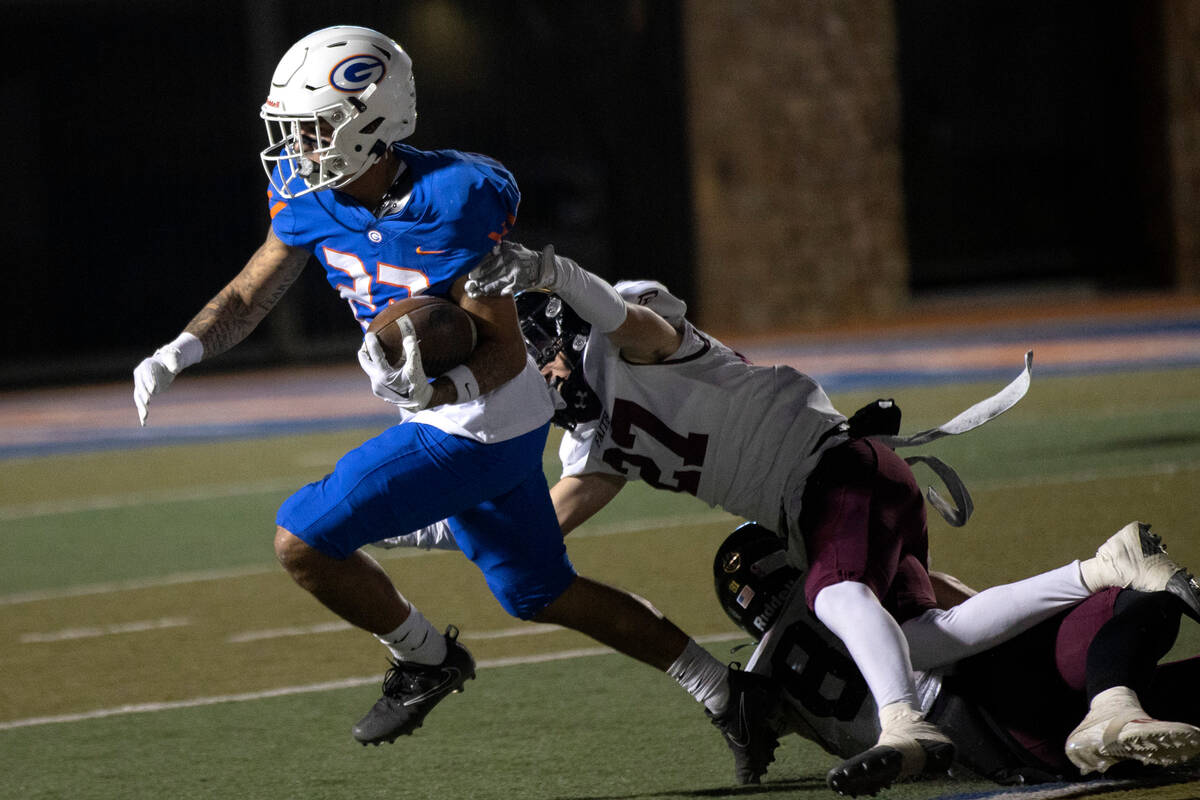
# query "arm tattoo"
(238, 308)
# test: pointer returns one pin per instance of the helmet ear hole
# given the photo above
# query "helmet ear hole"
(371, 126)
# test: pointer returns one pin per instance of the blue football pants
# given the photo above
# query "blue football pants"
(494, 496)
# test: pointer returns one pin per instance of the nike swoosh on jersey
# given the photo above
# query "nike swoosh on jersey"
(423, 252)
(449, 676)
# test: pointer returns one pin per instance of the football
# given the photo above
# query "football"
(445, 333)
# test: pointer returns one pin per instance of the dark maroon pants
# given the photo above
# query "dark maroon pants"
(1035, 685)
(863, 519)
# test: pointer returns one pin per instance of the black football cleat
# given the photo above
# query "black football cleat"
(748, 724)
(1184, 586)
(410, 691)
(882, 765)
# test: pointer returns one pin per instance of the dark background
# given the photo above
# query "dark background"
(1034, 142)
(134, 191)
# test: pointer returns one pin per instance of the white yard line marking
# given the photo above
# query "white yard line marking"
(114, 587)
(1087, 476)
(11, 513)
(326, 686)
(107, 502)
(175, 579)
(532, 629)
(339, 626)
(641, 525)
(280, 633)
(633, 526)
(92, 632)
(181, 578)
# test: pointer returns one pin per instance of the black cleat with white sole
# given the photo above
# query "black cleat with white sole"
(881, 766)
(410, 691)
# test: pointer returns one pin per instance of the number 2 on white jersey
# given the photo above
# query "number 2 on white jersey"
(360, 291)
(690, 448)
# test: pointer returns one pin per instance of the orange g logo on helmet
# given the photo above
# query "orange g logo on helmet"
(355, 73)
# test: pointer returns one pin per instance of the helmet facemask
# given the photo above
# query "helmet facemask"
(314, 146)
(290, 147)
(552, 328)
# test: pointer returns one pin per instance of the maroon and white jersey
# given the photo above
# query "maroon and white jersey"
(703, 421)
(825, 697)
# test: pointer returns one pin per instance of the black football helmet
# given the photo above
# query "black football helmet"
(550, 327)
(752, 576)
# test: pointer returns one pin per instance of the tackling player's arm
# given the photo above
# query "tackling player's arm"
(238, 308)
(642, 336)
(499, 354)
(645, 337)
(577, 497)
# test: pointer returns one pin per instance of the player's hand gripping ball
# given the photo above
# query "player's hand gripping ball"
(445, 333)
(395, 350)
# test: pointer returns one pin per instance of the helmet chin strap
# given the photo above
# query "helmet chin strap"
(397, 194)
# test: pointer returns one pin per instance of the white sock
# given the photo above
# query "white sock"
(874, 639)
(705, 678)
(416, 640)
(993, 616)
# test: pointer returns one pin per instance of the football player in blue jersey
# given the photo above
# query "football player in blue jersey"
(387, 221)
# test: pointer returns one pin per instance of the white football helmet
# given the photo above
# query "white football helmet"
(338, 98)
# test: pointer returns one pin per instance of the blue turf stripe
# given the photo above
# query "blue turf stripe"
(887, 381)
(899, 379)
(136, 438)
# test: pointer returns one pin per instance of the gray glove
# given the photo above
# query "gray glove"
(511, 268)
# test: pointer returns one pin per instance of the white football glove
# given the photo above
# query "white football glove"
(155, 373)
(406, 385)
(512, 268)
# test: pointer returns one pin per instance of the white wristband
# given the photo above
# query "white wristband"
(191, 349)
(593, 298)
(464, 381)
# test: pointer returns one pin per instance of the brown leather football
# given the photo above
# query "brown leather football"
(445, 333)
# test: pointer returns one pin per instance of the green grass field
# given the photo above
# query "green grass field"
(152, 648)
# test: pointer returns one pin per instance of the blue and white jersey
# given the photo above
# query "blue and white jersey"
(461, 205)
